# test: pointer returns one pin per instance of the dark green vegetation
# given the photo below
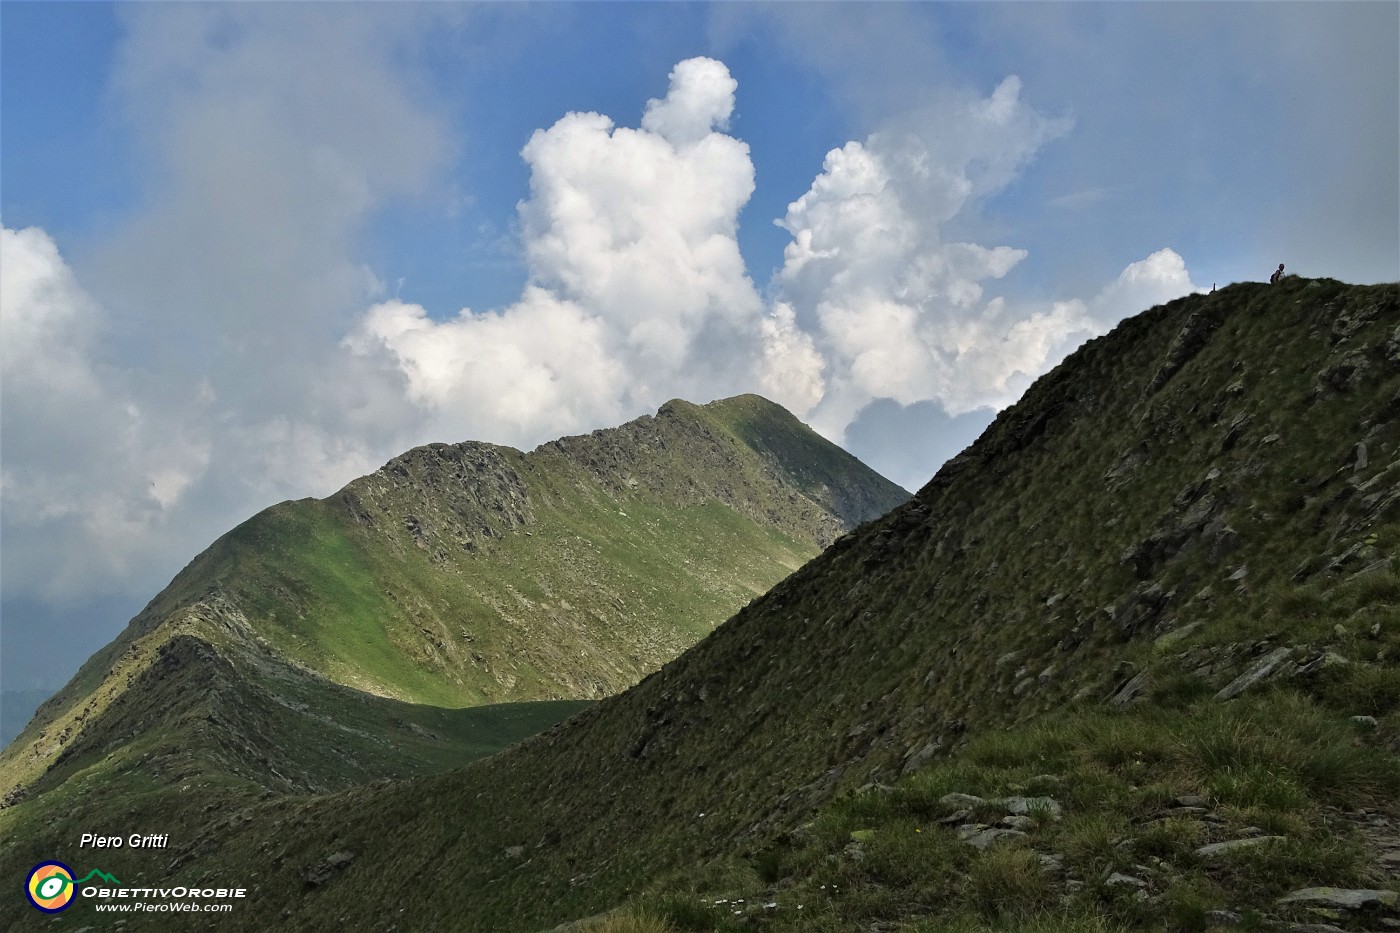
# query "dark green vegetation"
(1273, 769)
(324, 644)
(1155, 591)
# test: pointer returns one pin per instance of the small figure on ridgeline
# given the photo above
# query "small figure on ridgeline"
(1277, 276)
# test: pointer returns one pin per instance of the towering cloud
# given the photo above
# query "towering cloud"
(894, 307)
(638, 292)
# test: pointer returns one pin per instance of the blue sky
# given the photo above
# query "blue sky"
(239, 239)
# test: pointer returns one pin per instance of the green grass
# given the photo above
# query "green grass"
(608, 584)
(1270, 763)
(189, 780)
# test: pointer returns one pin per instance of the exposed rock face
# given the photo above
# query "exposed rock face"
(745, 453)
(1189, 341)
(1260, 671)
(323, 872)
(464, 493)
(1341, 898)
(983, 838)
(1218, 849)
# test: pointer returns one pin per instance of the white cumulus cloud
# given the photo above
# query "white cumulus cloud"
(701, 98)
(638, 292)
(793, 370)
(1159, 278)
(899, 311)
(539, 366)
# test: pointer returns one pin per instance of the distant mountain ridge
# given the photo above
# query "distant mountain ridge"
(469, 574)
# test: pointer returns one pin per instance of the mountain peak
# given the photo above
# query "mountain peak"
(469, 573)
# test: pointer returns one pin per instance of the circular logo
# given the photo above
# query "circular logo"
(50, 886)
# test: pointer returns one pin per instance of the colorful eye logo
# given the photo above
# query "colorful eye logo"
(50, 886)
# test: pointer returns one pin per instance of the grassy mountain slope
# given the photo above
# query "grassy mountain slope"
(473, 574)
(1206, 492)
(212, 725)
(608, 554)
(1205, 495)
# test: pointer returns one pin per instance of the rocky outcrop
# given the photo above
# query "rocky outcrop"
(1340, 898)
(1189, 341)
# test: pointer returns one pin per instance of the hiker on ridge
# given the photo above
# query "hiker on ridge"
(1278, 274)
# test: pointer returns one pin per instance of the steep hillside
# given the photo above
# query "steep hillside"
(471, 574)
(1182, 538)
(327, 643)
